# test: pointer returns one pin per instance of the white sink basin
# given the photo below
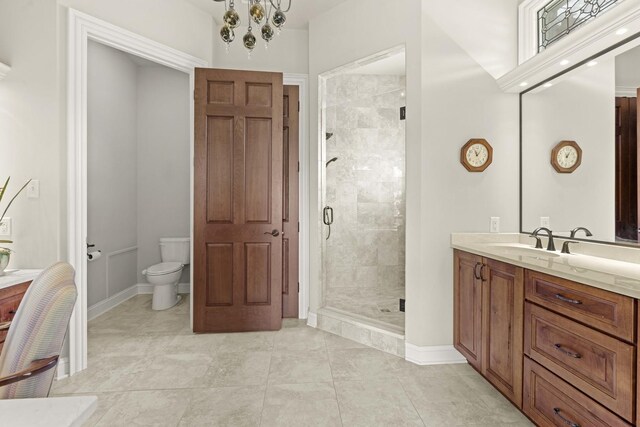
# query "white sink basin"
(519, 249)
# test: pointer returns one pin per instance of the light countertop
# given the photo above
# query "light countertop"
(608, 267)
(50, 412)
(15, 277)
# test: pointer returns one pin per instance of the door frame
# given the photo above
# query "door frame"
(302, 81)
(81, 29)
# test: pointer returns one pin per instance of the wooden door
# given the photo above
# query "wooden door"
(290, 197)
(467, 307)
(626, 169)
(503, 305)
(238, 201)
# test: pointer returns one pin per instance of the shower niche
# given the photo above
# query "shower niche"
(363, 191)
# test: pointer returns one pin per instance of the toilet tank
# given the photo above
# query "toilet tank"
(175, 249)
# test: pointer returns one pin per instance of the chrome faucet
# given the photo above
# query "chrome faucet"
(575, 230)
(550, 246)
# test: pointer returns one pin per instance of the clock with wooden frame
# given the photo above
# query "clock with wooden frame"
(566, 156)
(476, 155)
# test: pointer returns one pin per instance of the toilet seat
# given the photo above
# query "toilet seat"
(163, 268)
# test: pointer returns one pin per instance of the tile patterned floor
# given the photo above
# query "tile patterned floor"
(148, 370)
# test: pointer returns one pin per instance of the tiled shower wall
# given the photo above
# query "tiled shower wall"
(364, 257)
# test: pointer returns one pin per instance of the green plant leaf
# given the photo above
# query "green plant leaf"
(4, 188)
(11, 201)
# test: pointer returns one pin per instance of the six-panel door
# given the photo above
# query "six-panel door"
(238, 201)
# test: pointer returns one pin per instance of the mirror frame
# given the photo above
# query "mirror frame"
(537, 85)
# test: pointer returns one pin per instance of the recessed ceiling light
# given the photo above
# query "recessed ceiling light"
(592, 63)
(621, 31)
(523, 84)
(548, 84)
(564, 62)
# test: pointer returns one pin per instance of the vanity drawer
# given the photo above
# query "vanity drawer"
(606, 311)
(600, 366)
(549, 401)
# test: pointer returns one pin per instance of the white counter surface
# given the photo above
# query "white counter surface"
(49, 412)
(608, 267)
(15, 277)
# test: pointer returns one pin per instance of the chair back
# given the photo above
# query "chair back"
(38, 330)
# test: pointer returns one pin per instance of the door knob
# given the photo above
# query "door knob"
(274, 233)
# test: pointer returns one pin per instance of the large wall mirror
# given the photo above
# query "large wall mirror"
(596, 106)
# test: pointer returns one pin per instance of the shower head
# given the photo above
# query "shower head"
(331, 161)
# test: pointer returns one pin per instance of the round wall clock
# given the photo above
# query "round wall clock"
(476, 155)
(566, 156)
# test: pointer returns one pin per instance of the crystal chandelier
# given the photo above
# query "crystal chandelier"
(268, 13)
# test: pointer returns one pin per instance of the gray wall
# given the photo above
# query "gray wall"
(163, 161)
(138, 166)
(111, 164)
(365, 186)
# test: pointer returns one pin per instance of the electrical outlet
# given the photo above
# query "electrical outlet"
(495, 224)
(5, 227)
(33, 189)
(545, 222)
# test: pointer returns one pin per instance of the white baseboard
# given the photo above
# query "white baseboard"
(147, 288)
(312, 320)
(433, 355)
(62, 370)
(111, 302)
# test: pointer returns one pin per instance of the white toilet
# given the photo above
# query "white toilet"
(175, 254)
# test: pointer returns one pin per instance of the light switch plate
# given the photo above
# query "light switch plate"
(5, 227)
(495, 224)
(545, 221)
(33, 189)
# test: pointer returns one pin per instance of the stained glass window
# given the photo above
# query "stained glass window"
(559, 17)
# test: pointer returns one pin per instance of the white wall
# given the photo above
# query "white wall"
(29, 128)
(163, 161)
(287, 53)
(33, 36)
(579, 108)
(111, 168)
(487, 30)
(450, 99)
(460, 100)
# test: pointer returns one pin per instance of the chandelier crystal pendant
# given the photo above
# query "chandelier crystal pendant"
(259, 13)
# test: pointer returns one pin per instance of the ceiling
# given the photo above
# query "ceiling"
(297, 18)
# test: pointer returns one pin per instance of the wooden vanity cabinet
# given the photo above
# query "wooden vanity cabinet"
(467, 307)
(488, 313)
(502, 316)
(563, 352)
(10, 299)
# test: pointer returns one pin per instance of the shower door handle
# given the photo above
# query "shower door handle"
(327, 215)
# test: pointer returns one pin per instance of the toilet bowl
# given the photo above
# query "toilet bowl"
(175, 254)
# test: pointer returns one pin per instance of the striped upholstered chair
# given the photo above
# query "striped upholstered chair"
(36, 334)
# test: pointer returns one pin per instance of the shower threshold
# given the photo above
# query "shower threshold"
(372, 333)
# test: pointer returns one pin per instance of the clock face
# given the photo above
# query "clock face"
(567, 157)
(477, 155)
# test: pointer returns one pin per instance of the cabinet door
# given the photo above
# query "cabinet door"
(503, 305)
(467, 307)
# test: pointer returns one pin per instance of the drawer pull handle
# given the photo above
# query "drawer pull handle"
(12, 312)
(564, 420)
(567, 352)
(569, 300)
